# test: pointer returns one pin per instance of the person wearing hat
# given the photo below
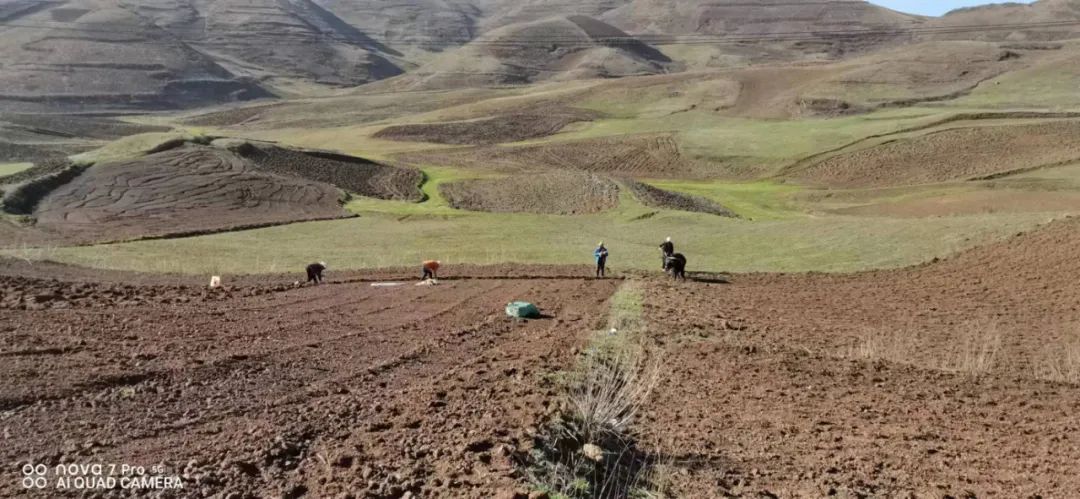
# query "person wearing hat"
(314, 272)
(668, 249)
(431, 270)
(601, 255)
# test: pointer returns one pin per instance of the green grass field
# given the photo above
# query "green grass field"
(12, 168)
(752, 200)
(391, 233)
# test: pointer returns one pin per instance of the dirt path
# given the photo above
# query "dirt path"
(375, 391)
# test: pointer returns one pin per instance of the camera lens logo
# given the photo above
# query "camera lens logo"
(34, 476)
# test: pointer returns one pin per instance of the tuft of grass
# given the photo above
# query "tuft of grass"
(888, 345)
(974, 351)
(608, 389)
(1061, 361)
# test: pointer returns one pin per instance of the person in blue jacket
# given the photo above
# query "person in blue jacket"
(600, 254)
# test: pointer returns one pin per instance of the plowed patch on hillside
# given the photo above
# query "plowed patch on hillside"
(638, 156)
(355, 175)
(496, 130)
(561, 193)
(956, 154)
(189, 189)
(659, 198)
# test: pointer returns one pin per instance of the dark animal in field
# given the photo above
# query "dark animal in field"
(676, 266)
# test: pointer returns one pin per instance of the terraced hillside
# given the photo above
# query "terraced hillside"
(639, 155)
(354, 175)
(183, 190)
(560, 193)
(950, 154)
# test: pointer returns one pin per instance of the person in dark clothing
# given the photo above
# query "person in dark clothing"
(314, 272)
(667, 248)
(601, 255)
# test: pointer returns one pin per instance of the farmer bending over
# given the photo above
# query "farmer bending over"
(314, 272)
(431, 270)
(600, 254)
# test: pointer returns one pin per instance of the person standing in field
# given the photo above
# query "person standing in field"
(431, 270)
(314, 272)
(601, 255)
(667, 248)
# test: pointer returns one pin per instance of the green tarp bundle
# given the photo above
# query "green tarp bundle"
(522, 309)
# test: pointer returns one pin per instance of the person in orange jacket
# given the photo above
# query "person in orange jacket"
(431, 270)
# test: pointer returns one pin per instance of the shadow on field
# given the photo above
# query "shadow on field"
(710, 277)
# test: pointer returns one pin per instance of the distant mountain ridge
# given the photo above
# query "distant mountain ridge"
(118, 55)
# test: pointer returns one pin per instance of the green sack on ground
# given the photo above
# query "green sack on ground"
(522, 309)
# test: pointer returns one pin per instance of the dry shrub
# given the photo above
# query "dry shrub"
(608, 391)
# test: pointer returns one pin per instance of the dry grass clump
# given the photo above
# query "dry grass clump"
(608, 390)
(589, 450)
(1060, 361)
(974, 350)
(977, 350)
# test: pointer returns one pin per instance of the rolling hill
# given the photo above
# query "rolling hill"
(274, 41)
(568, 48)
(92, 54)
(998, 22)
(113, 55)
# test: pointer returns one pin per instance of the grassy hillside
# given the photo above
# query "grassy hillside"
(710, 242)
(791, 231)
(11, 168)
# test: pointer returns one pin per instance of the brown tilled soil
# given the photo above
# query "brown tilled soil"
(559, 193)
(955, 154)
(320, 390)
(189, 189)
(769, 387)
(356, 175)
(495, 130)
(659, 198)
(861, 385)
(640, 156)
